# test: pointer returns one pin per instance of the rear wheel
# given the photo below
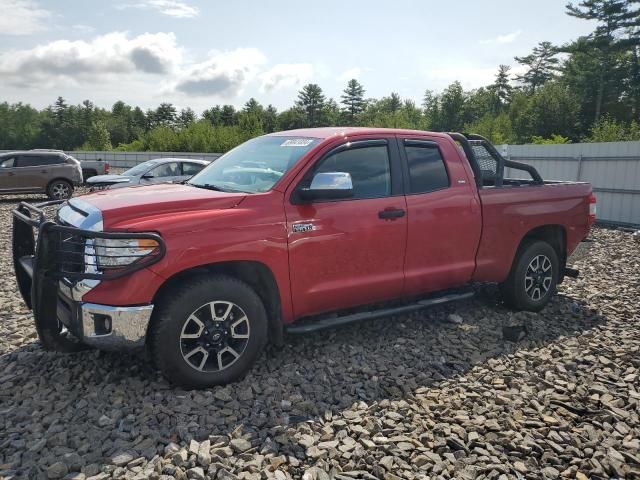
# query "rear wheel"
(60, 190)
(208, 331)
(533, 277)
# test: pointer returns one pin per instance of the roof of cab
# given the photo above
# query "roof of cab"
(327, 132)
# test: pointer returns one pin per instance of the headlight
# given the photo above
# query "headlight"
(119, 252)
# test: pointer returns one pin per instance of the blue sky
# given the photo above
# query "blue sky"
(200, 53)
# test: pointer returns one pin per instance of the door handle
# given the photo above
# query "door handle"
(391, 213)
(11, 174)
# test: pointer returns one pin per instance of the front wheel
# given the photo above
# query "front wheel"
(208, 331)
(533, 277)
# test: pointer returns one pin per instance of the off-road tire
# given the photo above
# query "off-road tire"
(172, 313)
(514, 289)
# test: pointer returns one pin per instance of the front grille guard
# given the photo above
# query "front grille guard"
(54, 251)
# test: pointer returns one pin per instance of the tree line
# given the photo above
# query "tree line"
(585, 90)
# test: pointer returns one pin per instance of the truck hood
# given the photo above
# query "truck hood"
(139, 202)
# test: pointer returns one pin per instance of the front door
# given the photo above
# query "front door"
(349, 252)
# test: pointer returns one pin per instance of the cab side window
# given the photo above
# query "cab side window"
(368, 166)
(427, 171)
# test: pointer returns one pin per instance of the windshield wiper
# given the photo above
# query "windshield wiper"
(217, 188)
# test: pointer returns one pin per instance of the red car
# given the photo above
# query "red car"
(293, 231)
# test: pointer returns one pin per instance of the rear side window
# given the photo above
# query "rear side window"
(191, 168)
(38, 160)
(7, 162)
(427, 171)
(369, 168)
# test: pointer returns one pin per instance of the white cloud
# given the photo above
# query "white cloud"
(22, 17)
(172, 8)
(98, 59)
(223, 73)
(82, 28)
(285, 75)
(502, 39)
(355, 72)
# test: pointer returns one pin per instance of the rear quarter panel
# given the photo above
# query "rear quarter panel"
(509, 213)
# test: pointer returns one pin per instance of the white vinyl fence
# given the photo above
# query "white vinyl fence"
(612, 168)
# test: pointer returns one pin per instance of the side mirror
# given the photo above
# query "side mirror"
(148, 176)
(328, 186)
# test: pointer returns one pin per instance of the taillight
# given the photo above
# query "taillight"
(592, 209)
(106, 167)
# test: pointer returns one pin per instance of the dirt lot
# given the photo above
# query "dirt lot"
(433, 395)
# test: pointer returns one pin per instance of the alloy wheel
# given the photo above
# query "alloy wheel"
(214, 336)
(60, 190)
(538, 278)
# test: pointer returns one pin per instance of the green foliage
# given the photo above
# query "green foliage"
(609, 130)
(553, 140)
(496, 128)
(98, 137)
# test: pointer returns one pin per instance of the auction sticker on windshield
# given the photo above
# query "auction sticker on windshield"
(297, 142)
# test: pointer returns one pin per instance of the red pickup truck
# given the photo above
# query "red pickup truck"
(293, 231)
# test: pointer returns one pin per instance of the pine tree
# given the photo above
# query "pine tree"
(311, 101)
(542, 64)
(270, 122)
(502, 87)
(98, 138)
(395, 102)
(253, 106)
(228, 115)
(353, 99)
(187, 117)
(613, 17)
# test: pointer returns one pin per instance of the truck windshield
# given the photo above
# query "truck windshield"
(254, 166)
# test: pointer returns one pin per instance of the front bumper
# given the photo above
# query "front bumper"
(106, 327)
(55, 269)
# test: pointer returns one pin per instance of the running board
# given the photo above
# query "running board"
(309, 327)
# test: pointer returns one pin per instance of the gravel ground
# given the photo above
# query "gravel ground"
(439, 394)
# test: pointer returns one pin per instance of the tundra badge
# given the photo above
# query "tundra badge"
(302, 227)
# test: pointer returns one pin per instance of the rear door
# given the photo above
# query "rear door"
(344, 253)
(33, 171)
(444, 218)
